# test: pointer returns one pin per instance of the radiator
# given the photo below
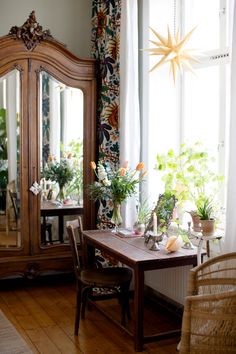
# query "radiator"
(171, 282)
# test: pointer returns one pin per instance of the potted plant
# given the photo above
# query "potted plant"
(205, 211)
(143, 217)
(61, 172)
(75, 187)
(190, 176)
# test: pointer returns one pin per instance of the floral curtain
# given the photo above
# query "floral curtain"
(106, 16)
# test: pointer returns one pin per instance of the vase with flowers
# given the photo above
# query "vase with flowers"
(115, 184)
(60, 172)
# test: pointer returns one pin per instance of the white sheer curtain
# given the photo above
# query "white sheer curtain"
(129, 100)
(230, 237)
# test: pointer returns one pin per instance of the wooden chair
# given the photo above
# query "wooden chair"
(46, 230)
(117, 278)
(12, 208)
(209, 319)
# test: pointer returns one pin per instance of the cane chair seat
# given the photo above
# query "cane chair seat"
(105, 277)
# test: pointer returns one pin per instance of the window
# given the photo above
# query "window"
(196, 108)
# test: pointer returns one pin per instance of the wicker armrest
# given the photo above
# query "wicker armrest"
(209, 323)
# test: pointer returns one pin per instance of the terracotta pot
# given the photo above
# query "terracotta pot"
(208, 227)
(196, 222)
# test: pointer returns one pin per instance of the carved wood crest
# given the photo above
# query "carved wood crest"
(30, 32)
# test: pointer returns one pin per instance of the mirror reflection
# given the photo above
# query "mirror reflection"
(61, 141)
(10, 160)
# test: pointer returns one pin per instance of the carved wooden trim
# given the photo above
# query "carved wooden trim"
(30, 32)
(19, 68)
(32, 271)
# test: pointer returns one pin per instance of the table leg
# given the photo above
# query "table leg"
(61, 228)
(138, 308)
(199, 251)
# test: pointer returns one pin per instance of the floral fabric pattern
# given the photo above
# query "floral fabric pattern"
(45, 117)
(106, 16)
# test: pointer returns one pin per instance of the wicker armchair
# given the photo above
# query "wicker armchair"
(209, 319)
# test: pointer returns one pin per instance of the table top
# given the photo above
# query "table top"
(48, 205)
(133, 250)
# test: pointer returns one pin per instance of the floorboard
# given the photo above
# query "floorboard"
(43, 313)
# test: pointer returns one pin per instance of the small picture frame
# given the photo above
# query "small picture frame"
(164, 212)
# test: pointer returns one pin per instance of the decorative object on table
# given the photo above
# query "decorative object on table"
(143, 217)
(154, 235)
(186, 238)
(155, 238)
(190, 175)
(162, 214)
(60, 172)
(205, 211)
(115, 184)
(174, 243)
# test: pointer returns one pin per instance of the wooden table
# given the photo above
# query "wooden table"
(51, 209)
(134, 253)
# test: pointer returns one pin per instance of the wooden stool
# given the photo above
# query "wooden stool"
(207, 239)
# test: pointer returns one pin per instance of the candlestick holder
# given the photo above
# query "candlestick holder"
(155, 239)
(187, 243)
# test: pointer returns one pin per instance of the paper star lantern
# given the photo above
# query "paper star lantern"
(172, 50)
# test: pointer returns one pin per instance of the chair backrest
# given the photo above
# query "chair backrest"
(74, 228)
(13, 196)
(214, 276)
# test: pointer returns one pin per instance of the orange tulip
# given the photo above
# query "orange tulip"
(69, 155)
(50, 158)
(126, 164)
(140, 166)
(144, 174)
(122, 171)
(93, 165)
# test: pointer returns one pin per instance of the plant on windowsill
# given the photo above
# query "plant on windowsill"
(205, 211)
(189, 176)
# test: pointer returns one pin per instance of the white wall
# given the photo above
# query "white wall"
(68, 20)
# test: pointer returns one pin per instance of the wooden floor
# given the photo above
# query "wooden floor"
(43, 313)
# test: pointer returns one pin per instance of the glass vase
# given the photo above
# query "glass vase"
(61, 193)
(116, 216)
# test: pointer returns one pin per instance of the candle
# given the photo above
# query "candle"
(154, 223)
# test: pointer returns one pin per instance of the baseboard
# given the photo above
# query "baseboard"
(165, 302)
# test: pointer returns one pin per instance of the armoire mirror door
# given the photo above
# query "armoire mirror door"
(59, 154)
(13, 161)
(61, 157)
